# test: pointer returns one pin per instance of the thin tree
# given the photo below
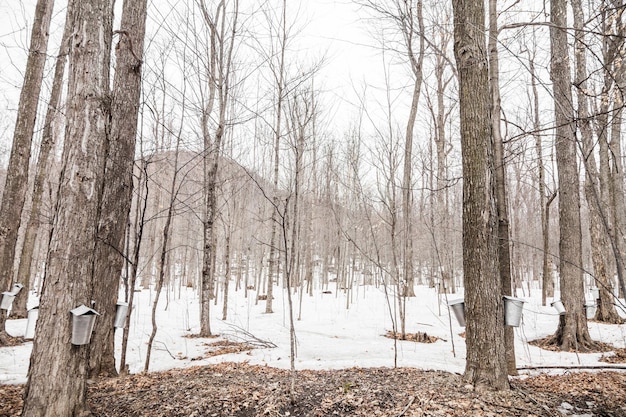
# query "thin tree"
(162, 266)
(57, 377)
(504, 255)
(486, 356)
(223, 34)
(16, 183)
(278, 72)
(133, 263)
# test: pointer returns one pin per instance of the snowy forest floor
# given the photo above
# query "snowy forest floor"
(345, 355)
(239, 389)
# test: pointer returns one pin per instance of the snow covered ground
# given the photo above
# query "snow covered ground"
(331, 334)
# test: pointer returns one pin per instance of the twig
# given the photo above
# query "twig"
(531, 368)
(249, 338)
(411, 400)
(165, 348)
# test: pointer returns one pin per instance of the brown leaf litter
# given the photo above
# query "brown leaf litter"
(419, 337)
(243, 390)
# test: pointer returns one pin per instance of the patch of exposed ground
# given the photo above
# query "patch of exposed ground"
(242, 390)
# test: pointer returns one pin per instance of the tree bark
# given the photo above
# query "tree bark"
(45, 149)
(118, 185)
(58, 370)
(486, 356)
(572, 332)
(504, 255)
(596, 184)
(211, 162)
(274, 263)
(547, 284)
(409, 31)
(16, 183)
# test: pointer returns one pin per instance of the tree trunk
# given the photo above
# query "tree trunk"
(407, 183)
(16, 183)
(486, 356)
(226, 274)
(280, 91)
(504, 256)
(45, 149)
(596, 186)
(211, 161)
(58, 370)
(118, 184)
(139, 225)
(547, 285)
(617, 207)
(572, 332)
(162, 266)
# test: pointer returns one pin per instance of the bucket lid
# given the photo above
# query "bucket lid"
(12, 294)
(34, 308)
(457, 301)
(555, 302)
(121, 303)
(82, 310)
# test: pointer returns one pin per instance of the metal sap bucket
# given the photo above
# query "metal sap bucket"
(590, 309)
(121, 313)
(31, 322)
(513, 310)
(595, 293)
(558, 305)
(83, 320)
(7, 300)
(9, 296)
(458, 307)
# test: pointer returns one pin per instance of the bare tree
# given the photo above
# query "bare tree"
(504, 256)
(486, 356)
(278, 72)
(545, 198)
(16, 184)
(118, 185)
(57, 377)
(597, 201)
(572, 331)
(223, 32)
(165, 246)
(46, 148)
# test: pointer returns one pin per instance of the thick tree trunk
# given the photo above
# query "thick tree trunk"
(58, 370)
(572, 332)
(596, 185)
(118, 185)
(486, 356)
(16, 183)
(42, 169)
(614, 69)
